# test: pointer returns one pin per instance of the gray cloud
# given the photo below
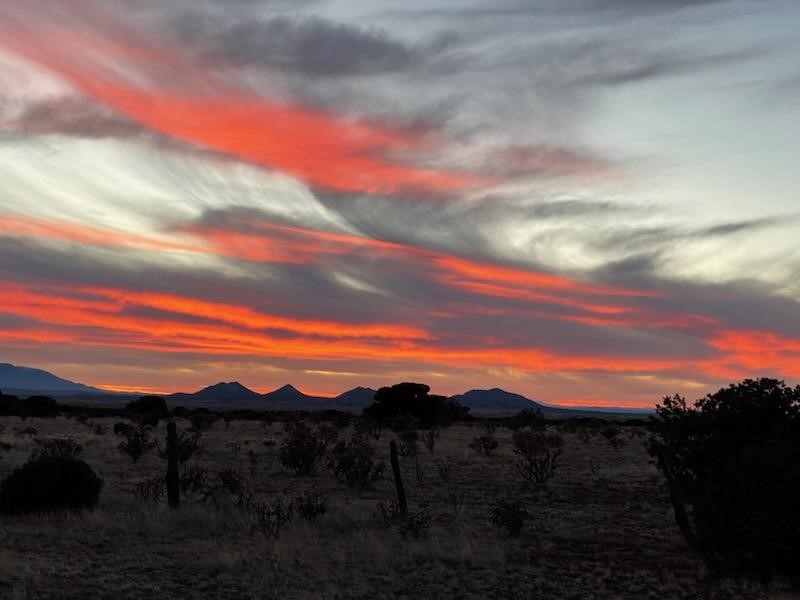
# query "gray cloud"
(306, 45)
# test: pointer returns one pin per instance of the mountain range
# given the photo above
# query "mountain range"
(26, 381)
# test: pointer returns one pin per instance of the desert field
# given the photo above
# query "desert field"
(602, 527)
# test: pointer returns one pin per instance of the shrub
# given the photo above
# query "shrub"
(148, 405)
(310, 506)
(415, 523)
(66, 446)
(612, 436)
(152, 489)
(186, 445)
(368, 426)
(50, 484)
(529, 417)
(484, 444)
(539, 453)
(122, 428)
(202, 420)
(137, 443)
(509, 515)
(408, 442)
(253, 460)
(353, 465)
(270, 517)
(731, 466)
(455, 492)
(304, 447)
(430, 437)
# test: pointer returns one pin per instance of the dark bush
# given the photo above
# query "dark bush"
(186, 445)
(730, 462)
(270, 517)
(50, 484)
(408, 439)
(413, 399)
(484, 444)
(509, 515)
(430, 437)
(148, 405)
(123, 428)
(66, 446)
(35, 406)
(370, 427)
(539, 453)
(304, 447)
(613, 436)
(352, 463)
(529, 417)
(137, 443)
(310, 506)
(202, 420)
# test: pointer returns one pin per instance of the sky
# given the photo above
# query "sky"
(588, 202)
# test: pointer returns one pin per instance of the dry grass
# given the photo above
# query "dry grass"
(601, 529)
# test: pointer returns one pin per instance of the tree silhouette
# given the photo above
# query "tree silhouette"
(731, 465)
(405, 400)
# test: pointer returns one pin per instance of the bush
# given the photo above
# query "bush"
(50, 484)
(529, 417)
(66, 446)
(613, 436)
(270, 517)
(155, 405)
(122, 428)
(310, 506)
(202, 420)
(371, 427)
(731, 466)
(430, 437)
(352, 464)
(304, 447)
(408, 442)
(509, 515)
(186, 444)
(137, 443)
(539, 452)
(484, 444)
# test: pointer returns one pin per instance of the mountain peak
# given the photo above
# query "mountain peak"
(19, 378)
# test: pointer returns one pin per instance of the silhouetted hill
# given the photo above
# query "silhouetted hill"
(286, 393)
(495, 400)
(358, 396)
(29, 381)
(220, 393)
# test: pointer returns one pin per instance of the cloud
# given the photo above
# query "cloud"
(305, 45)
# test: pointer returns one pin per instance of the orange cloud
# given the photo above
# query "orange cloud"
(171, 96)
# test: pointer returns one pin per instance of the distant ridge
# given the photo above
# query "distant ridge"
(222, 392)
(232, 395)
(14, 379)
(496, 399)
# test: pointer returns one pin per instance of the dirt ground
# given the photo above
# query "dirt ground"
(601, 528)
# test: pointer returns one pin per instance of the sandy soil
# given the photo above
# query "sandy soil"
(602, 528)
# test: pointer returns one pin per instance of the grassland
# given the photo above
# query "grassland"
(601, 528)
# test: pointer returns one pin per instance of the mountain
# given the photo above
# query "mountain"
(26, 380)
(358, 396)
(495, 400)
(287, 393)
(221, 393)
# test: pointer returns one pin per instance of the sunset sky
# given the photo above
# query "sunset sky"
(583, 201)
